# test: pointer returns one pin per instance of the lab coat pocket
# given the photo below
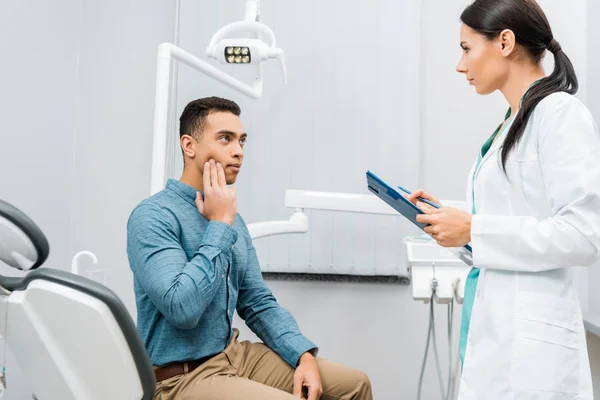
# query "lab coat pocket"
(545, 356)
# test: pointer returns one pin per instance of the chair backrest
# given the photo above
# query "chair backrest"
(72, 337)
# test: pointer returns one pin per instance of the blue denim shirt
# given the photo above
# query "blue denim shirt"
(191, 274)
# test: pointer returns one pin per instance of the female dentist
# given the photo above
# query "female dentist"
(535, 197)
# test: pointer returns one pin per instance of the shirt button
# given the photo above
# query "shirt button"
(223, 276)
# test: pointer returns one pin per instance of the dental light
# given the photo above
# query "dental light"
(245, 51)
(223, 48)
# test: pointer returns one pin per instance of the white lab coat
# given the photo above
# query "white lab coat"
(526, 338)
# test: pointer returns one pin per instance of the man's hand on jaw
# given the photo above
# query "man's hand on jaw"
(219, 203)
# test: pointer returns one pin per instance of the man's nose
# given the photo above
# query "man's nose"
(237, 151)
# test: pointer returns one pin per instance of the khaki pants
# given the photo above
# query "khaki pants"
(248, 371)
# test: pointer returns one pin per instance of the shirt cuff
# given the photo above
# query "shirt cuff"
(299, 346)
(220, 235)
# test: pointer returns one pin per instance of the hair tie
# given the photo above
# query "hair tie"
(554, 47)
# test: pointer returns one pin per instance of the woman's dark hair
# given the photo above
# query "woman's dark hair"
(527, 21)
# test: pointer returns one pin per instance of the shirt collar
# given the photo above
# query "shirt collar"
(186, 192)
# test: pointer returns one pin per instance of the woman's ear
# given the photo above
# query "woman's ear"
(507, 42)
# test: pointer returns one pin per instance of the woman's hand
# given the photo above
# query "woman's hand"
(450, 227)
(413, 197)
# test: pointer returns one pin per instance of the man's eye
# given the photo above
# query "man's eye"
(224, 138)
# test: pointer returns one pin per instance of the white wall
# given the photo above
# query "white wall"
(339, 116)
(38, 99)
(76, 110)
(594, 352)
(83, 148)
(113, 148)
(351, 104)
(593, 101)
(455, 120)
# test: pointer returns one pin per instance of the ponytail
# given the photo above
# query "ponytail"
(562, 79)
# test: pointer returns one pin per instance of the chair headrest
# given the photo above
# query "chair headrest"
(23, 245)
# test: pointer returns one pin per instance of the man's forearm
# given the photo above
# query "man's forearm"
(279, 330)
(179, 288)
(183, 299)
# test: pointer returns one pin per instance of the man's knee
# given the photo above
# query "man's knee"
(363, 384)
(344, 382)
(357, 386)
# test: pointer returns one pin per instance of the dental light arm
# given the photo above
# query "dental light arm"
(302, 199)
(425, 259)
(298, 223)
(225, 49)
(252, 10)
(166, 53)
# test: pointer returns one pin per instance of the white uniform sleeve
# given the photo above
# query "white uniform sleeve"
(569, 152)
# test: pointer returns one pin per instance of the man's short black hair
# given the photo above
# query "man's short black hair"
(193, 118)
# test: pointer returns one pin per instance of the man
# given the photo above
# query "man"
(194, 263)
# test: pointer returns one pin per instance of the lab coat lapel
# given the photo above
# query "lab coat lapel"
(496, 145)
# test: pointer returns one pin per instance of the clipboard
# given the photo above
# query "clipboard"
(397, 201)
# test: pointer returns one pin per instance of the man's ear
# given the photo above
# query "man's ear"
(188, 146)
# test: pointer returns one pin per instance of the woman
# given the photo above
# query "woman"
(535, 197)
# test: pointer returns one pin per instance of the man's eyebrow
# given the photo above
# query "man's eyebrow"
(230, 133)
(224, 132)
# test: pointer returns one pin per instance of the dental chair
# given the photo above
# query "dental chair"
(72, 337)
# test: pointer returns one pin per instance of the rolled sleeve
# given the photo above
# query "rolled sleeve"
(296, 346)
(219, 235)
